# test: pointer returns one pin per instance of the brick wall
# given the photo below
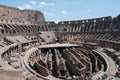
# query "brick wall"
(9, 14)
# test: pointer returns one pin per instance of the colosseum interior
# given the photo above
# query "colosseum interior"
(34, 49)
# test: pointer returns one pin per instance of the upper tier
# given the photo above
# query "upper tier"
(23, 16)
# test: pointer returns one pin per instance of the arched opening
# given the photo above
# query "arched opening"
(2, 31)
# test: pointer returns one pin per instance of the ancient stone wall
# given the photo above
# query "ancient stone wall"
(17, 16)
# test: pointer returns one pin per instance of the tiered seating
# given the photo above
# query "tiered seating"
(17, 39)
(48, 37)
(95, 37)
(18, 29)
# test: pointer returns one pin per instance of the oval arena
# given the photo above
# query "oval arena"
(34, 49)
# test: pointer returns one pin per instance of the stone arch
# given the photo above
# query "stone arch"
(2, 31)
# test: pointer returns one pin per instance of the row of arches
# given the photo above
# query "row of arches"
(18, 29)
